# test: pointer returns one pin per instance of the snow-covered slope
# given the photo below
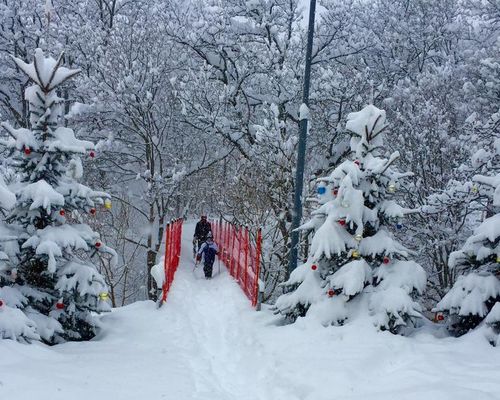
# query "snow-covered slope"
(206, 343)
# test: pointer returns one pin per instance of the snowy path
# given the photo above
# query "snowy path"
(207, 343)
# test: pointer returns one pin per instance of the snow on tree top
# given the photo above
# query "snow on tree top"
(45, 71)
(492, 181)
(13, 297)
(369, 118)
(351, 278)
(41, 194)
(407, 275)
(382, 243)
(7, 198)
(21, 137)
(488, 230)
(494, 314)
(53, 239)
(87, 279)
(469, 294)
(330, 239)
(15, 325)
(65, 140)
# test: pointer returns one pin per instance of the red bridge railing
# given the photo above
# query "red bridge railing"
(173, 233)
(241, 255)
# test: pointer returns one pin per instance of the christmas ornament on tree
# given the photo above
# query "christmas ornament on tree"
(91, 154)
(60, 305)
(107, 204)
(314, 267)
(92, 211)
(62, 213)
(391, 188)
(321, 190)
(27, 151)
(358, 237)
(355, 254)
(331, 293)
(104, 296)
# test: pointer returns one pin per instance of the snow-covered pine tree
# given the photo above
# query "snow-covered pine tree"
(476, 293)
(354, 255)
(49, 274)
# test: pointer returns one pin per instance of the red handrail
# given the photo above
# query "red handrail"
(240, 255)
(173, 234)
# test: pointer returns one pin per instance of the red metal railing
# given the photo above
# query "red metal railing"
(241, 255)
(173, 233)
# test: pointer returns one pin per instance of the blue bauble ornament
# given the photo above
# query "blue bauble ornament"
(321, 190)
(399, 225)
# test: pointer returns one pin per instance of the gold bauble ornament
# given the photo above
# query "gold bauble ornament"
(355, 254)
(108, 204)
(103, 296)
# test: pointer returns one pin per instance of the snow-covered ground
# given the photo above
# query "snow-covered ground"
(207, 343)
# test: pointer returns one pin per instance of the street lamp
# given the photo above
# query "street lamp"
(304, 116)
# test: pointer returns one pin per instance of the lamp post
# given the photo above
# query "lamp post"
(304, 116)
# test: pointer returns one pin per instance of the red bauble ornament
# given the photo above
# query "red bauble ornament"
(92, 154)
(62, 213)
(357, 162)
(1, 303)
(27, 151)
(59, 306)
(440, 317)
(342, 222)
(386, 260)
(335, 192)
(314, 267)
(331, 293)
(92, 211)
(97, 244)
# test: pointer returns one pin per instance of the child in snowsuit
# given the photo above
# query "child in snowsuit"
(208, 250)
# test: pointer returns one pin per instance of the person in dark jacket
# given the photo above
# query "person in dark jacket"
(208, 250)
(201, 231)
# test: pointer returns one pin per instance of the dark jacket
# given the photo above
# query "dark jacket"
(208, 250)
(201, 230)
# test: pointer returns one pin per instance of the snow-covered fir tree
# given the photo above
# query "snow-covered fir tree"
(476, 293)
(49, 286)
(355, 264)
